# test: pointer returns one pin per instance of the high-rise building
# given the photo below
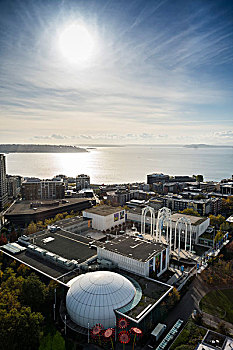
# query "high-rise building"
(82, 181)
(3, 182)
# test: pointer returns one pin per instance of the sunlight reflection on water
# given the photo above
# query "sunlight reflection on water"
(125, 164)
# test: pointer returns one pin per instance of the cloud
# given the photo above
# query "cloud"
(160, 67)
(225, 134)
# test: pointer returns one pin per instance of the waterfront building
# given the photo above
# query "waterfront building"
(82, 181)
(3, 182)
(153, 178)
(36, 189)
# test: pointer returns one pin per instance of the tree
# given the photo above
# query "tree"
(216, 220)
(20, 329)
(3, 239)
(33, 292)
(199, 196)
(227, 205)
(190, 211)
(32, 228)
(174, 297)
(23, 270)
(218, 236)
(199, 178)
(13, 236)
(58, 342)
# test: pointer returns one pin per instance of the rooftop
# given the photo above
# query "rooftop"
(65, 244)
(215, 341)
(104, 210)
(25, 207)
(133, 247)
(151, 293)
(195, 220)
(69, 222)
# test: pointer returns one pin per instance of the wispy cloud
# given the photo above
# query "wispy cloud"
(225, 134)
(163, 68)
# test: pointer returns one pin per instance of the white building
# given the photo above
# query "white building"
(93, 298)
(104, 217)
(136, 255)
(198, 224)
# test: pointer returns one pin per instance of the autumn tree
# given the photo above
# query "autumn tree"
(190, 211)
(32, 228)
(20, 329)
(216, 220)
(33, 292)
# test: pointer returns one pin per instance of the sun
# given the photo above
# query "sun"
(76, 43)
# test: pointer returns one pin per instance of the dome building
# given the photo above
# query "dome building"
(93, 297)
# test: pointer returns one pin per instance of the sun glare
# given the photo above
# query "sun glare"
(76, 44)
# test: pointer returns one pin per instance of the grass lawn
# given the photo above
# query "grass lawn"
(190, 336)
(219, 303)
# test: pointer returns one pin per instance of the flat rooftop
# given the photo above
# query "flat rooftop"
(37, 263)
(69, 222)
(65, 244)
(153, 292)
(213, 340)
(195, 220)
(104, 210)
(133, 247)
(25, 207)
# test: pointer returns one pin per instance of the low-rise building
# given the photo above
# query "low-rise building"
(136, 255)
(215, 341)
(177, 203)
(105, 217)
(36, 189)
(153, 178)
(226, 188)
(23, 212)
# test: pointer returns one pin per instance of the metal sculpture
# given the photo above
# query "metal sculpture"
(152, 220)
(180, 223)
(108, 335)
(137, 333)
(124, 338)
(164, 217)
(122, 323)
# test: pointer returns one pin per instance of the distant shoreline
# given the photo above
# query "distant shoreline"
(207, 146)
(31, 148)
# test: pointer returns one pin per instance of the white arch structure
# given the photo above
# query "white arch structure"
(180, 223)
(164, 217)
(152, 220)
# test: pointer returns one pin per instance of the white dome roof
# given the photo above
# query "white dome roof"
(93, 297)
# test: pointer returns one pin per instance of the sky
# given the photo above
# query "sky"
(157, 72)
